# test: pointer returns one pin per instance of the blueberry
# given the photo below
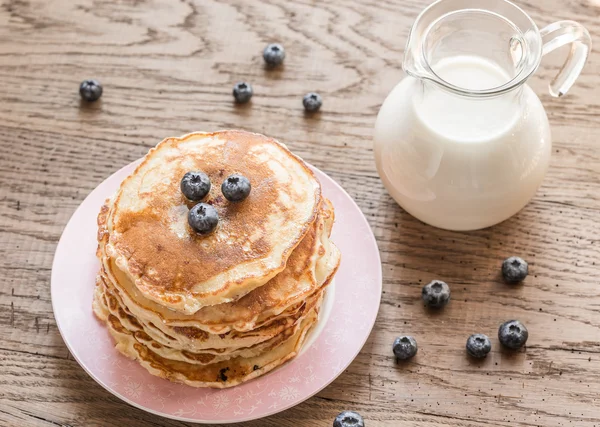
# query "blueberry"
(436, 294)
(513, 334)
(90, 90)
(312, 102)
(195, 185)
(348, 419)
(236, 188)
(478, 345)
(203, 218)
(274, 54)
(514, 269)
(242, 92)
(405, 347)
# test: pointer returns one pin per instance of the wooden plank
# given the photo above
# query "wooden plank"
(168, 68)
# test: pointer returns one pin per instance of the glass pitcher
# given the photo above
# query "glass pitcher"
(463, 142)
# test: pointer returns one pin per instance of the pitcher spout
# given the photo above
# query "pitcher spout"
(414, 63)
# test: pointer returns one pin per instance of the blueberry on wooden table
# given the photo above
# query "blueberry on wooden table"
(436, 294)
(479, 345)
(405, 347)
(514, 269)
(90, 90)
(274, 54)
(348, 419)
(513, 334)
(312, 102)
(242, 92)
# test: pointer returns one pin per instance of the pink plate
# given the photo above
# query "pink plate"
(348, 316)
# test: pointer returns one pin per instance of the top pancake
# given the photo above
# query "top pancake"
(150, 240)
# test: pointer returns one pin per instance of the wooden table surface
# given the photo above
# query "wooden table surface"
(168, 68)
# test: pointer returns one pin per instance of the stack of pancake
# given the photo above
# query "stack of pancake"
(214, 310)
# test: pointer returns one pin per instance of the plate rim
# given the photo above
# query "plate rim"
(378, 280)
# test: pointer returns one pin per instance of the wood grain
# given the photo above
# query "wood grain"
(168, 68)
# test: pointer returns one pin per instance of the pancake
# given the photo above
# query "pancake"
(108, 304)
(195, 340)
(224, 308)
(151, 242)
(223, 374)
(310, 267)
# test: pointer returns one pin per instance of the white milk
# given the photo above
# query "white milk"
(460, 162)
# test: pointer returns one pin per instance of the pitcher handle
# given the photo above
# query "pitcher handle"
(559, 34)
